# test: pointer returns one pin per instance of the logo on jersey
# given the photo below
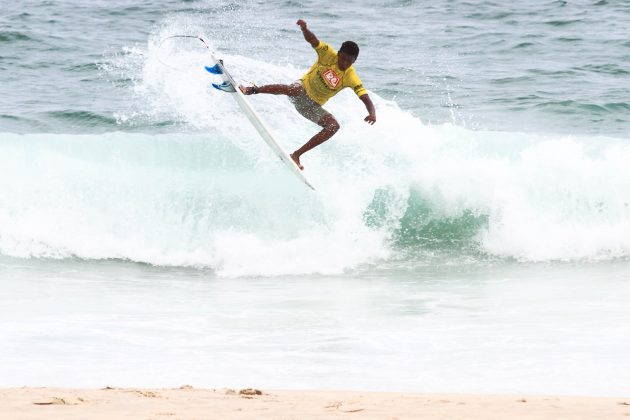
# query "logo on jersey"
(331, 78)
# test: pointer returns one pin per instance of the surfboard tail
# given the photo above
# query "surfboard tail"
(225, 87)
(216, 69)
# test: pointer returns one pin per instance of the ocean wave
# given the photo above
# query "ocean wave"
(612, 69)
(19, 123)
(83, 118)
(571, 106)
(563, 22)
(422, 226)
(397, 192)
(12, 36)
(207, 201)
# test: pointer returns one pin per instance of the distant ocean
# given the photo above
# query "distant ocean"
(475, 239)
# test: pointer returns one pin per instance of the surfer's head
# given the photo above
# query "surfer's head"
(348, 54)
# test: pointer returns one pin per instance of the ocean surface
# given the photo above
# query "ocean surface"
(475, 239)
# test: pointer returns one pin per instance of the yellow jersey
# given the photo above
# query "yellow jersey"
(324, 80)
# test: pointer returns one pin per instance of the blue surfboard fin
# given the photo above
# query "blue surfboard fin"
(225, 87)
(214, 69)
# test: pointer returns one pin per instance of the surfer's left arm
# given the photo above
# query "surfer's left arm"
(371, 118)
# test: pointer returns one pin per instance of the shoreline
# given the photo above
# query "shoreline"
(187, 402)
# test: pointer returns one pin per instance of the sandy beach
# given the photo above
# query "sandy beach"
(187, 402)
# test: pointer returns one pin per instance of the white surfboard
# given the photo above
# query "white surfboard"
(231, 87)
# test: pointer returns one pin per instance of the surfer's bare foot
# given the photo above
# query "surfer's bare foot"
(296, 159)
(248, 90)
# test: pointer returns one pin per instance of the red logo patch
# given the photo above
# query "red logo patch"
(331, 78)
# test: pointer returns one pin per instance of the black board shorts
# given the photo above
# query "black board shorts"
(309, 109)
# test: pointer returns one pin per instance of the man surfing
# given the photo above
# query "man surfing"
(331, 73)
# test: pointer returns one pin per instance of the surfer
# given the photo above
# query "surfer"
(331, 73)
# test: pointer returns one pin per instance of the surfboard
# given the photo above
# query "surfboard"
(231, 87)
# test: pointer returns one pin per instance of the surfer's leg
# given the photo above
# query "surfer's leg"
(289, 90)
(330, 127)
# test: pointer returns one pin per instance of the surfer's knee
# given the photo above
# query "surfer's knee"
(330, 124)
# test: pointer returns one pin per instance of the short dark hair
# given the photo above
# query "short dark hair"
(351, 48)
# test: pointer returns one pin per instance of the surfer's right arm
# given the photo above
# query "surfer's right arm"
(308, 35)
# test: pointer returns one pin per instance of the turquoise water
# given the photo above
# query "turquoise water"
(497, 170)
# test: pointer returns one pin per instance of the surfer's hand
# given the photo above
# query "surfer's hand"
(301, 23)
(370, 119)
